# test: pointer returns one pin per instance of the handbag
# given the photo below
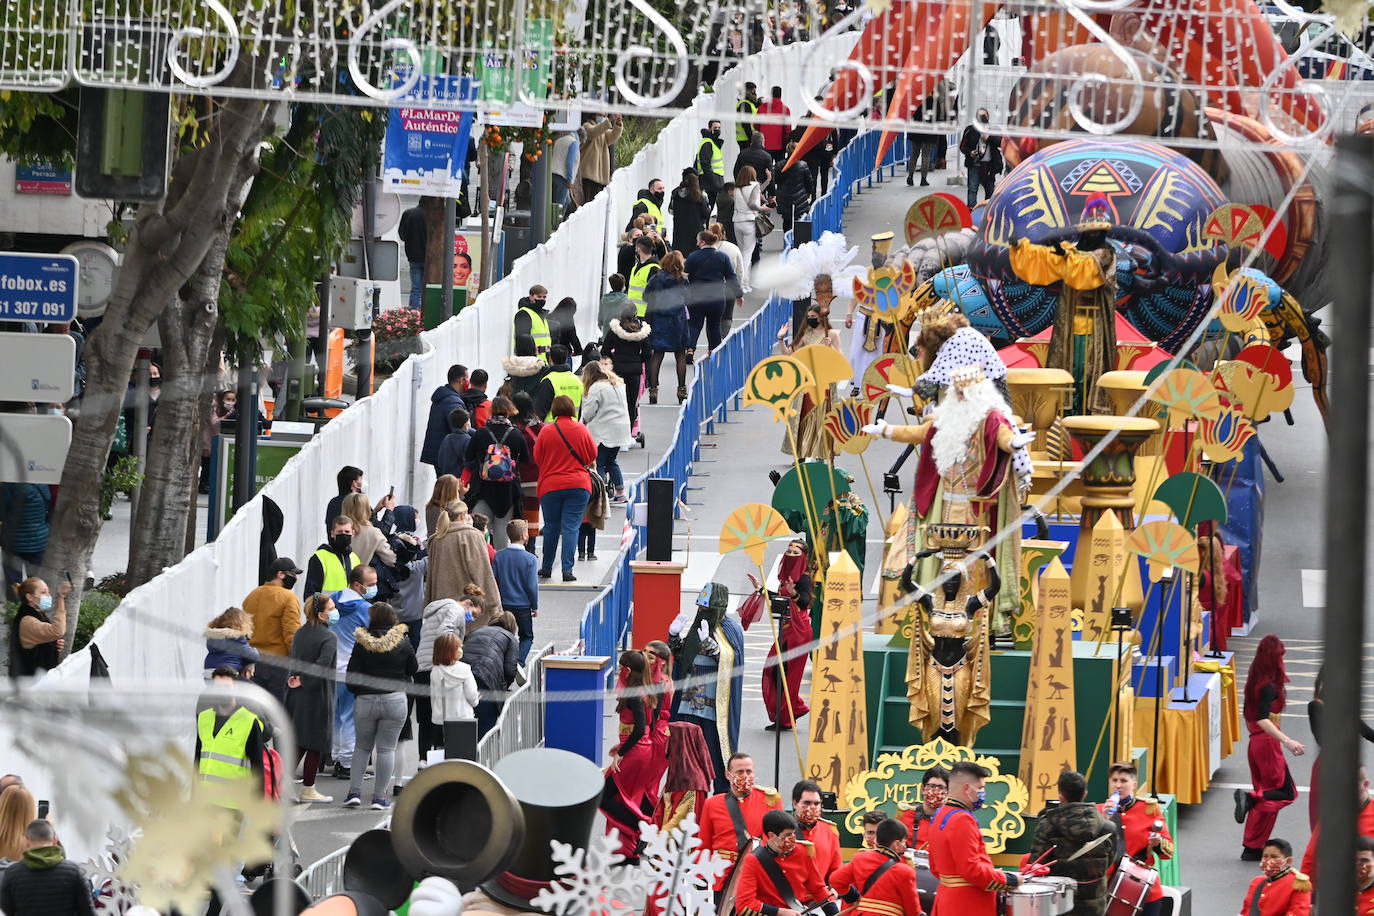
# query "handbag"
(763, 225)
(599, 497)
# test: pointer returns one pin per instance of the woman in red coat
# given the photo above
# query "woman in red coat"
(563, 451)
(1273, 786)
(794, 583)
(627, 800)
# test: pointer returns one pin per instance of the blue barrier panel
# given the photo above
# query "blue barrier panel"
(714, 389)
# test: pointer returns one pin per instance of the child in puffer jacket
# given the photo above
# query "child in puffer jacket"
(226, 642)
(452, 686)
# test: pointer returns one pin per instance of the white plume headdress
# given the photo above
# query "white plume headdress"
(794, 276)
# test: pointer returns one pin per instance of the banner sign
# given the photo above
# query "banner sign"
(426, 148)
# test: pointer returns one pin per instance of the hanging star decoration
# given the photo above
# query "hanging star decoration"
(174, 867)
(750, 528)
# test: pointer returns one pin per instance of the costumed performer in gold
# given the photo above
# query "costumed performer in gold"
(1083, 341)
(808, 423)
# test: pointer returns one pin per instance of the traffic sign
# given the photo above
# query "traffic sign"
(38, 367)
(33, 447)
(37, 287)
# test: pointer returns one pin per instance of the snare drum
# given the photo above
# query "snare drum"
(1032, 900)
(1064, 891)
(926, 882)
(1130, 887)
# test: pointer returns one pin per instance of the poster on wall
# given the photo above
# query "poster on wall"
(467, 262)
(42, 178)
(426, 150)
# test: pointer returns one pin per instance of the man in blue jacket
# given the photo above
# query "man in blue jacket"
(714, 287)
(442, 402)
(353, 604)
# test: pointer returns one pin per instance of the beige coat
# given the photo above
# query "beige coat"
(457, 558)
(595, 164)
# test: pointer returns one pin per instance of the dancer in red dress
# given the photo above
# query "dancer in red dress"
(794, 583)
(660, 665)
(1273, 786)
(627, 801)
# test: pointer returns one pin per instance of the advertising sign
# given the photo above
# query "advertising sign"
(516, 83)
(40, 368)
(37, 287)
(426, 149)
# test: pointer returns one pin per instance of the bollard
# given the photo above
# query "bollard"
(575, 725)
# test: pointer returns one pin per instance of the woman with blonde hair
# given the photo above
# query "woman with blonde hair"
(368, 540)
(749, 205)
(445, 491)
(17, 808)
(458, 558)
(226, 642)
(36, 641)
(606, 414)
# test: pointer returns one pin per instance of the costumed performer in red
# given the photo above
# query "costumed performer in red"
(1273, 786)
(660, 674)
(795, 584)
(690, 772)
(626, 801)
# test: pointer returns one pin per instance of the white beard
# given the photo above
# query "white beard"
(958, 419)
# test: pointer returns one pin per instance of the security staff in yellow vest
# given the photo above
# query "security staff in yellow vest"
(710, 163)
(229, 737)
(747, 105)
(651, 202)
(560, 379)
(531, 319)
(645, 266)
(331, 566)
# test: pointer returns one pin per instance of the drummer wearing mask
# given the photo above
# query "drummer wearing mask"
(968, 882)
(1146, 837)
(877, 880)
(824, 834)
(1078, 842)
(920, 820)
(781, 877)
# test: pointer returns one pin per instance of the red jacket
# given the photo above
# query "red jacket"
(775, 135)
(756, 894)
(918, 831)
(826, 837)
(893, 894)
(1364, 826)
(1364, 901)
(1290, 894)
(717, 830)
(1136, 821)
(559, 469)
(959, 858)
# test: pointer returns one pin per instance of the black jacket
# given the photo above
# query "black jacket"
(544, 394)
(628, 350)
(625, 260)
(414, 234)
(314, 572)
(493, 653)
(501, 497)
(441, 403)
(712, 275)
(711, 183)
(794, 186)
(383, 654)
(45, 883)
(522, 321)
(689, 218)
(759, 158)
(968, 145)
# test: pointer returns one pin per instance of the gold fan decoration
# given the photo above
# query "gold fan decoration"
(750, 528)
(845, 422)
(892, 369)
(1164, 544)
(1188, 391)
(826, 365)
(775, 382)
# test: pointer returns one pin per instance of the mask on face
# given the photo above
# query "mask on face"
(341, 542)
(333, 616)
(741, 784)
(45, 603)
(786, 844)
(362, 486)
(813, 321)
(934, 797)
(980, 800)
(288, 582)
(370, 592)
(1272, 867)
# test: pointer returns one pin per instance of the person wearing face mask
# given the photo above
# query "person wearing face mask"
(354, 604)
(871, 821)
(821, 833)
(36, 641)
(331, 565)
(710, 161)
(276, 613)
(781, 877)
(807, 429)
(794, 583)
(310, 694)
(660, 662)
(877, 880)
(1278, 890)
(1145, 837)
(958, 856)
(1364, 876)
(650, 201)
(920, 820)
(729, 819)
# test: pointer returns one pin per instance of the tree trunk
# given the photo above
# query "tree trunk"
(433, 208)
(158, 536)
(168, 242)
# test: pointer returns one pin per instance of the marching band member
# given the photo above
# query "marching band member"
(781, 877)
(968, 882)
(1280, 891)
(1364, 876)
(728, 820)
(920, 820)
(878, 880)
(1142, 825)
(824, 834)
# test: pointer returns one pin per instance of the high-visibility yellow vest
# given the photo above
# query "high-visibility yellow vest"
(568, 383)
(335, 576)
(222, 755)
(717, 157)
(652, 209)
(742, 130)
(639, 282)
(539, 330)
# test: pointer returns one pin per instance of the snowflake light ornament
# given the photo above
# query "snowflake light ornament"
(673, 877)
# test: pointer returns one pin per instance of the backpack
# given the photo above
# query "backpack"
(271, 774)
(498, 467)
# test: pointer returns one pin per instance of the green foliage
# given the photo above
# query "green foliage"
(122, 477)
(638, 133)
(296, 221)
(95, 607)
(38, 126)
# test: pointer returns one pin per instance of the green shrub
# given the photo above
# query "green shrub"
(95, 607)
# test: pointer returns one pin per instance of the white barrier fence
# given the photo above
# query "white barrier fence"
(156, 630)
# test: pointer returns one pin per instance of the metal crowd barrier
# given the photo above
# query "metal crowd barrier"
(521, 722)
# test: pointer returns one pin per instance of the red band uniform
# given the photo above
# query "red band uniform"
(826, 838)
(718, 829)
(893, 894)
(757, 895)
(968, 881)
(919, 827)
(1286, 894)
(1364, 826)
(1137, 818)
